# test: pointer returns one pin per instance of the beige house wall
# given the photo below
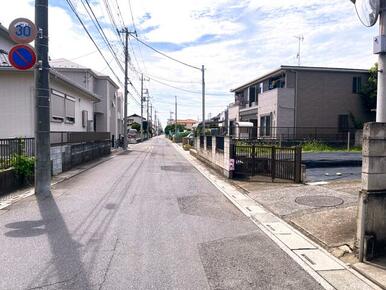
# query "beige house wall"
(322, 96)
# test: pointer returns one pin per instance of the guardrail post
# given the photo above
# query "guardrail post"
(273, 163)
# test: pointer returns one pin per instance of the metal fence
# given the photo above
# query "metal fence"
(10, 148)
(208, 142)
(270, 161)
(220, 143)
(276, 135)
(60, 138)
(202, 138)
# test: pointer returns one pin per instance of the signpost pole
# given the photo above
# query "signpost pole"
(42, 103)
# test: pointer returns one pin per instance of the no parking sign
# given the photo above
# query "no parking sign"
(22, 57)
(22, 31)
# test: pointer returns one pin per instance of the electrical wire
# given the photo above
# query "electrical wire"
(92, 39)
(98, 49)
(164, 54)
(94, 19)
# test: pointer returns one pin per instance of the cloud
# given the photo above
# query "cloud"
(236, 41)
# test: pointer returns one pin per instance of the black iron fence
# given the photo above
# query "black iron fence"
(278, 135)
(220, 143)
(270, 161)
(10, 148)
(59, 138)
(209, 142)
(202, 138)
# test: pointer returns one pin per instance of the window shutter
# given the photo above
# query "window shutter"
(70, 108)
(57, 106)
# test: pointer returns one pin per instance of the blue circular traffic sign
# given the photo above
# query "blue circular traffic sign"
(22, 57)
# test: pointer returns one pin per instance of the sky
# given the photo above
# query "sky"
(236, 40)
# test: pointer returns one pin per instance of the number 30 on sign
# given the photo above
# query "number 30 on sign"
(22, 30)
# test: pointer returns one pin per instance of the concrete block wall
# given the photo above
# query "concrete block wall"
(213, 157)
(56, 160)
(371, 230)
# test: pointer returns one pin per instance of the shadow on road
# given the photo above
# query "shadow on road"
(66, 258)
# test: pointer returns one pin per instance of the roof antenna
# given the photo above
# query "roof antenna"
(300, 38)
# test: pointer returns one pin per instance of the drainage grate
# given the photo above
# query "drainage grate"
(177, 168)
(319, 201)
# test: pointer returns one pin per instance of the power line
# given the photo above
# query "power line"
(94, 19)
(185, 90)
(135, 29)
(99, 50)
(164, 54)
(171, 81)
(91, 38)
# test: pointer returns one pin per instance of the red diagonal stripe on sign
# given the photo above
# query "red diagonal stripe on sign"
(22, 57)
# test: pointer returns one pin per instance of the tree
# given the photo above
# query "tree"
(136, 126)
(171, 128)
(369, 90)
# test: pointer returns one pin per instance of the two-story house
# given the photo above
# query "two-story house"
(72, 105)
(108, 115)
(293, 99)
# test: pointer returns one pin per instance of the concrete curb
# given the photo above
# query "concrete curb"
(314, 259)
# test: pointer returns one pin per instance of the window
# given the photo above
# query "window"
(265, 125)
(276, 82)
(356, 85)
(252, 95)
(343, 123)
(57, 106)
(70, 109)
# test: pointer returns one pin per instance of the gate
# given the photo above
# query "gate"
(270, 161)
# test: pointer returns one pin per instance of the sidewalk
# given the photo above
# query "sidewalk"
(8, 199)
(325, 213)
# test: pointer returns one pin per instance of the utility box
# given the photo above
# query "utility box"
(379, 44)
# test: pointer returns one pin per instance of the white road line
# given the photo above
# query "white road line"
(310, 256)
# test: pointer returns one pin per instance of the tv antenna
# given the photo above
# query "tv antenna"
(300, 38)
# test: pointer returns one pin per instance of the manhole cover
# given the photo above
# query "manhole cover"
(319, 200)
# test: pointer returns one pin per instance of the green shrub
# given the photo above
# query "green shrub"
(317, 146)
(24, 165)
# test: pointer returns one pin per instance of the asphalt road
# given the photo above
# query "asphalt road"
(143, 220)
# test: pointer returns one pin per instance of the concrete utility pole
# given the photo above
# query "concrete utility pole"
(155, 123)
(381, 91)
(141, 107)
(147, 117)
(175, 116)
(42, 103)
(151, 119)
(203, 98)
(126, 32)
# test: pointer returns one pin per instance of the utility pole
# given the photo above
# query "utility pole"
(126, 32)
(147, 117)
(42, 103)
(155, 122)
(175, 116)
(142, 107)
(151, 118)
(381, 91)
(203, 98)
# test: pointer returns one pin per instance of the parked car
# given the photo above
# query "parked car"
(132, 135)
